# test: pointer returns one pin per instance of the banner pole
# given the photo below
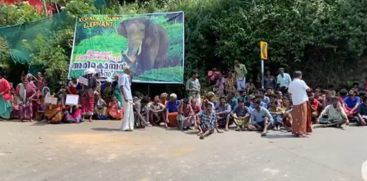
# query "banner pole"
(262, 74)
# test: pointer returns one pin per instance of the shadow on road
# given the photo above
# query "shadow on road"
(279, 136)
(106, 129)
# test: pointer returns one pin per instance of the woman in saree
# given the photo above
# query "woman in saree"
(54, 113)
(117, 91)
(87, 97)
(75, 116)
(115, 110)
(27, 92)
(5, 98)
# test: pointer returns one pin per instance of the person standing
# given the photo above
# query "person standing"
(283, 80)
(240, 74)
(269, 81)
(193, 87)
(125, 86)
(87, 96)
(301, 112)
(5, 96)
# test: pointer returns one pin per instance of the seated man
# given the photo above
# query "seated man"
(186, 115)
(260, 118)
(157, 112)
(352, 102)
(333, 115)
(206, 121)
(362, 113)
(241, 116)
(223, 111)
(172, 110)
(140, 121)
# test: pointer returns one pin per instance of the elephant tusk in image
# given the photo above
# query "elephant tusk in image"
(139, 50)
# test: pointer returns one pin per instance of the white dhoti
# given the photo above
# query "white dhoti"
(128, 120)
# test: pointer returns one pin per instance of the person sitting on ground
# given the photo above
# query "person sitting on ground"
(223, 113)
(140, 121)
(352, 102)
(361, 117)
(75, 116)
(186, 115)
(355, 86)
(145, 106)
(54, 113)
(232, 101)
(101, 108)
(260, 119)
(242, 95)
(172, 110)
(15, 102)
(362, 95)
(250, 86)
(157, 112)
(210, 96)
(329, 94)
(333, 115)
(206, 121)
(241, 116)
(195, 106)
(115, 110)
(163, 98)
(277, 112)
(315, 106)
(287, 117)
(265, 100)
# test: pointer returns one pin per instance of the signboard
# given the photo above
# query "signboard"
(50, 100)
(152, 45)
(72, 100)
(264, 50)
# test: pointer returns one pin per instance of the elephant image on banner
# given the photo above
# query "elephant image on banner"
(147, 44)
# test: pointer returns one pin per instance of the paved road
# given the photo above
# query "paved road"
(99, 151)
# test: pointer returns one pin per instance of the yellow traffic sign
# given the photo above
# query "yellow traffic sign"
(264, 50)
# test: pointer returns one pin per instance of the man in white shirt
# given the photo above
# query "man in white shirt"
(301, 111)
(124, 83)
(283, 80)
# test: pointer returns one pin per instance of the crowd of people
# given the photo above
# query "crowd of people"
(282, 104)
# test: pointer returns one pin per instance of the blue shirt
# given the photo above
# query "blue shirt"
(233, 103)
(352, 103)
(258, 116)
(172, 106)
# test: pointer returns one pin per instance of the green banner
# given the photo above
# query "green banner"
(152, 45)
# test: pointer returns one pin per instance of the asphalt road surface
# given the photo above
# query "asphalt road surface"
(99, 151)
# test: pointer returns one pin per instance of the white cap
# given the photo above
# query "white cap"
(173, 95)
(90, 71)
